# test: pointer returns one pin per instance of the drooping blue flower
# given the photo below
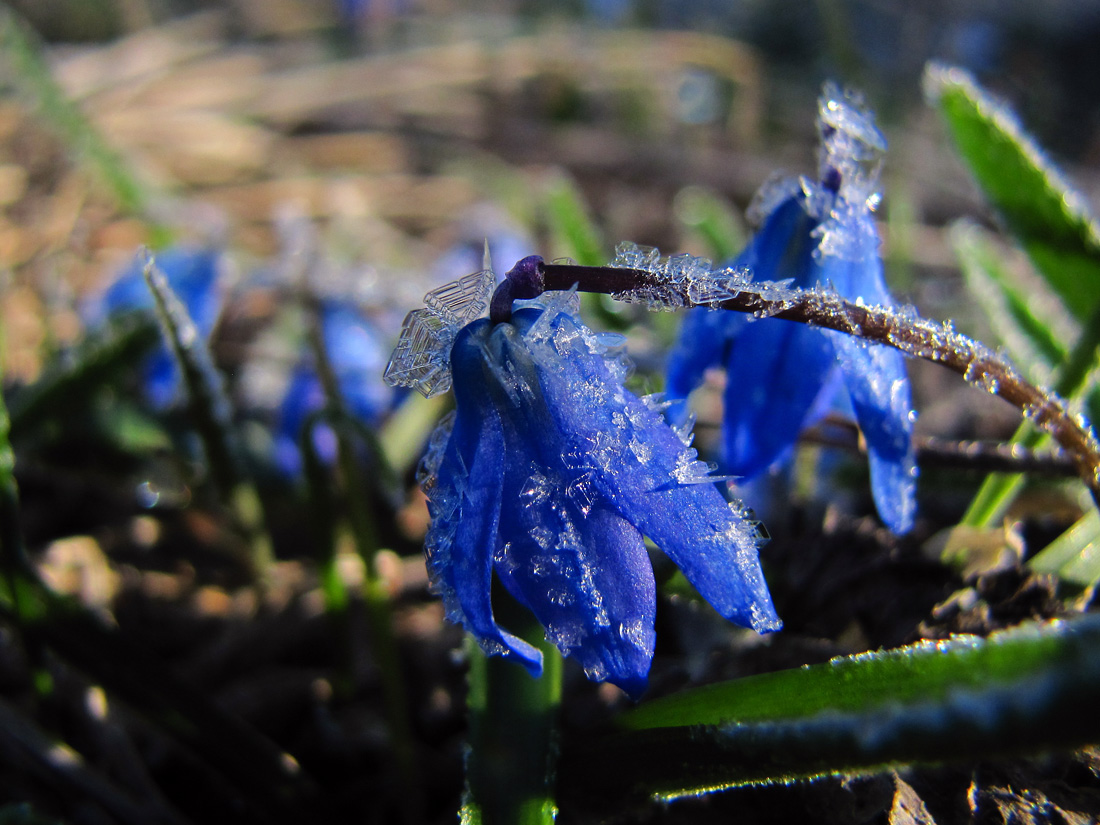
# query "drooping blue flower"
(781, 375)
(356, 356)
(193, 274)
(547, 477)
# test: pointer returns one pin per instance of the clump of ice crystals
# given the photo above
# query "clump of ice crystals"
(421, 359)
(678, 280)
(849, 163)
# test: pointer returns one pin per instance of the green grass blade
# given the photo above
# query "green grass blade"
(1042, 210)
(1019, 691)
(70, 384)
(573, 232)
(1074, 556)
(211, 414)
(513, 730)
(20, 53)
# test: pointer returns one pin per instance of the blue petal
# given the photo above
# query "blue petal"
(879, 388)
(774, 377)
(637, 462)
(466, 506)
(875, 376)
(579, 567)
(703, 342)
(588, 580)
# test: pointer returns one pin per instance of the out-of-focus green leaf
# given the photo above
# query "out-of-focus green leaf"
(572, 229)
(1022, 320)
(1074, 556)
(19, 52)
(712, 218)
(69, 384)
(1018, 691)
(406, 432)
(1049, 218)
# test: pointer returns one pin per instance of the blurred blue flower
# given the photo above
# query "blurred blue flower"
(782, 376)
(356, 356)
(192, 274)
(548, 475)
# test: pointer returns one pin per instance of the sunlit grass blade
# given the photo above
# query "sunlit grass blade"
(1018, 691)
(20, 52)
(1074, 556)
(1049, 218)
(573, 232)
(211, 415)
(403, 436)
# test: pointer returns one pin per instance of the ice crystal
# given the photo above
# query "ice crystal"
(421, 359)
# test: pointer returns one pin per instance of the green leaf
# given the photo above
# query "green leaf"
(1046, 214)
(711, 217)
(1017, 691)
(921, 672)
(1020, 315)
(1074, 556)
(573, 231)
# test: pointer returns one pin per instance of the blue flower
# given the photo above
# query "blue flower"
(781, 375)
(548, 475)
(356, 356)
(192, 274)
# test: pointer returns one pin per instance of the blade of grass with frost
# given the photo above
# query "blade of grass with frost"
(1045, 214)
(33, 79)
(1018, 691)
(211, 414)
(1074, 556)
(1049, 218)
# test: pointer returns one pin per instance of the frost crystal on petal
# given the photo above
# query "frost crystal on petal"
(421, 359)
(851, 144)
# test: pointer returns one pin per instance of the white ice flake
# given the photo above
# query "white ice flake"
(422, 358)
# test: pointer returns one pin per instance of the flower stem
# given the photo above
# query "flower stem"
(998, 491)
(510, 769)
